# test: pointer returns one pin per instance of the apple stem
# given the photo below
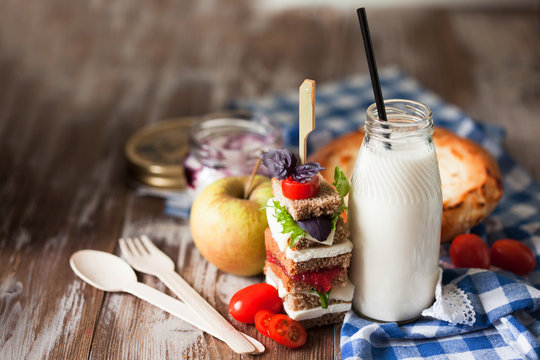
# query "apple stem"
(249, 185)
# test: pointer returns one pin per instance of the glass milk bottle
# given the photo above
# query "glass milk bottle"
(395, 209)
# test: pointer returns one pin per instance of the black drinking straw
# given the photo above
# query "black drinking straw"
(362, 18)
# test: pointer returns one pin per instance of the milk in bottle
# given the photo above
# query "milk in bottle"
(395, 208)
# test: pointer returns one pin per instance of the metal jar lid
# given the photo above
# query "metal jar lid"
(156, 153)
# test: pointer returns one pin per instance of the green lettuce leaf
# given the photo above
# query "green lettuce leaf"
(335, 218)
(324, 297)
(288, 223)
(342, 187)
(340, 182)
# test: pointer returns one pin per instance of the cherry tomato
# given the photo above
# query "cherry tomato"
(247, 301)
(287, 331)
(262, 318)
(296, 190)
(469, 250)
(513, 255)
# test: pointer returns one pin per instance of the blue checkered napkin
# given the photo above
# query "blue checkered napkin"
(501, 331)
(506, 326)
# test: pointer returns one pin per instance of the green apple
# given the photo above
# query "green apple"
(227, 228)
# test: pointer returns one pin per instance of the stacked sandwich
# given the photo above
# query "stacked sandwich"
(307, 242)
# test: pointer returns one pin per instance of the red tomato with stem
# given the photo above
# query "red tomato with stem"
(513, 255)
(249, 300)
(295, 190)
(262, 319)
(469, 250)
(287, 331)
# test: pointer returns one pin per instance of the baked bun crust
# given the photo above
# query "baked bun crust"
(471, 179)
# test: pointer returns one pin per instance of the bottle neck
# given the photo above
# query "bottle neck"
(409, 124)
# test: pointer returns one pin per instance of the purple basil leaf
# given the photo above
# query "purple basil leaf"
(306, 171)
(318, 227)
(280, 163)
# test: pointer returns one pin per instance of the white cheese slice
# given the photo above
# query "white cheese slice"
(319, 252)
(316, 312)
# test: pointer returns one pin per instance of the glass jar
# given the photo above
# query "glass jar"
(227, 144)
(395, 209)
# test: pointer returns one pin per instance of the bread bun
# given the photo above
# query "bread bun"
(471, 180)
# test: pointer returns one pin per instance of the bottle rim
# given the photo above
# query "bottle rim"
(405, 119)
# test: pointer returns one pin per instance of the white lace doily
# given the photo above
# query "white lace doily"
(451, 304)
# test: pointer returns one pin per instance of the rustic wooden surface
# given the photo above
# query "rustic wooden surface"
(78, 77)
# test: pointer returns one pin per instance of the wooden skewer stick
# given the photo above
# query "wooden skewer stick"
(249, 184)
(306, 112)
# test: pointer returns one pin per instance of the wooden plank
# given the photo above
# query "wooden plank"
(152, 333)
(54, 198)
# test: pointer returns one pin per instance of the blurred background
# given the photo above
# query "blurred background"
(83, 75)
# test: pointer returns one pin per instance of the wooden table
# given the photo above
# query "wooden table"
(78, 77)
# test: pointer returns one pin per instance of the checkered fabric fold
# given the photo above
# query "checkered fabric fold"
(507, 307)
(506, 327)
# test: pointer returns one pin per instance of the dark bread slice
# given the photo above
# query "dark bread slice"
(302, 301)
(326, 202)
(294, 268)
(326, 319)
(296, 286)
